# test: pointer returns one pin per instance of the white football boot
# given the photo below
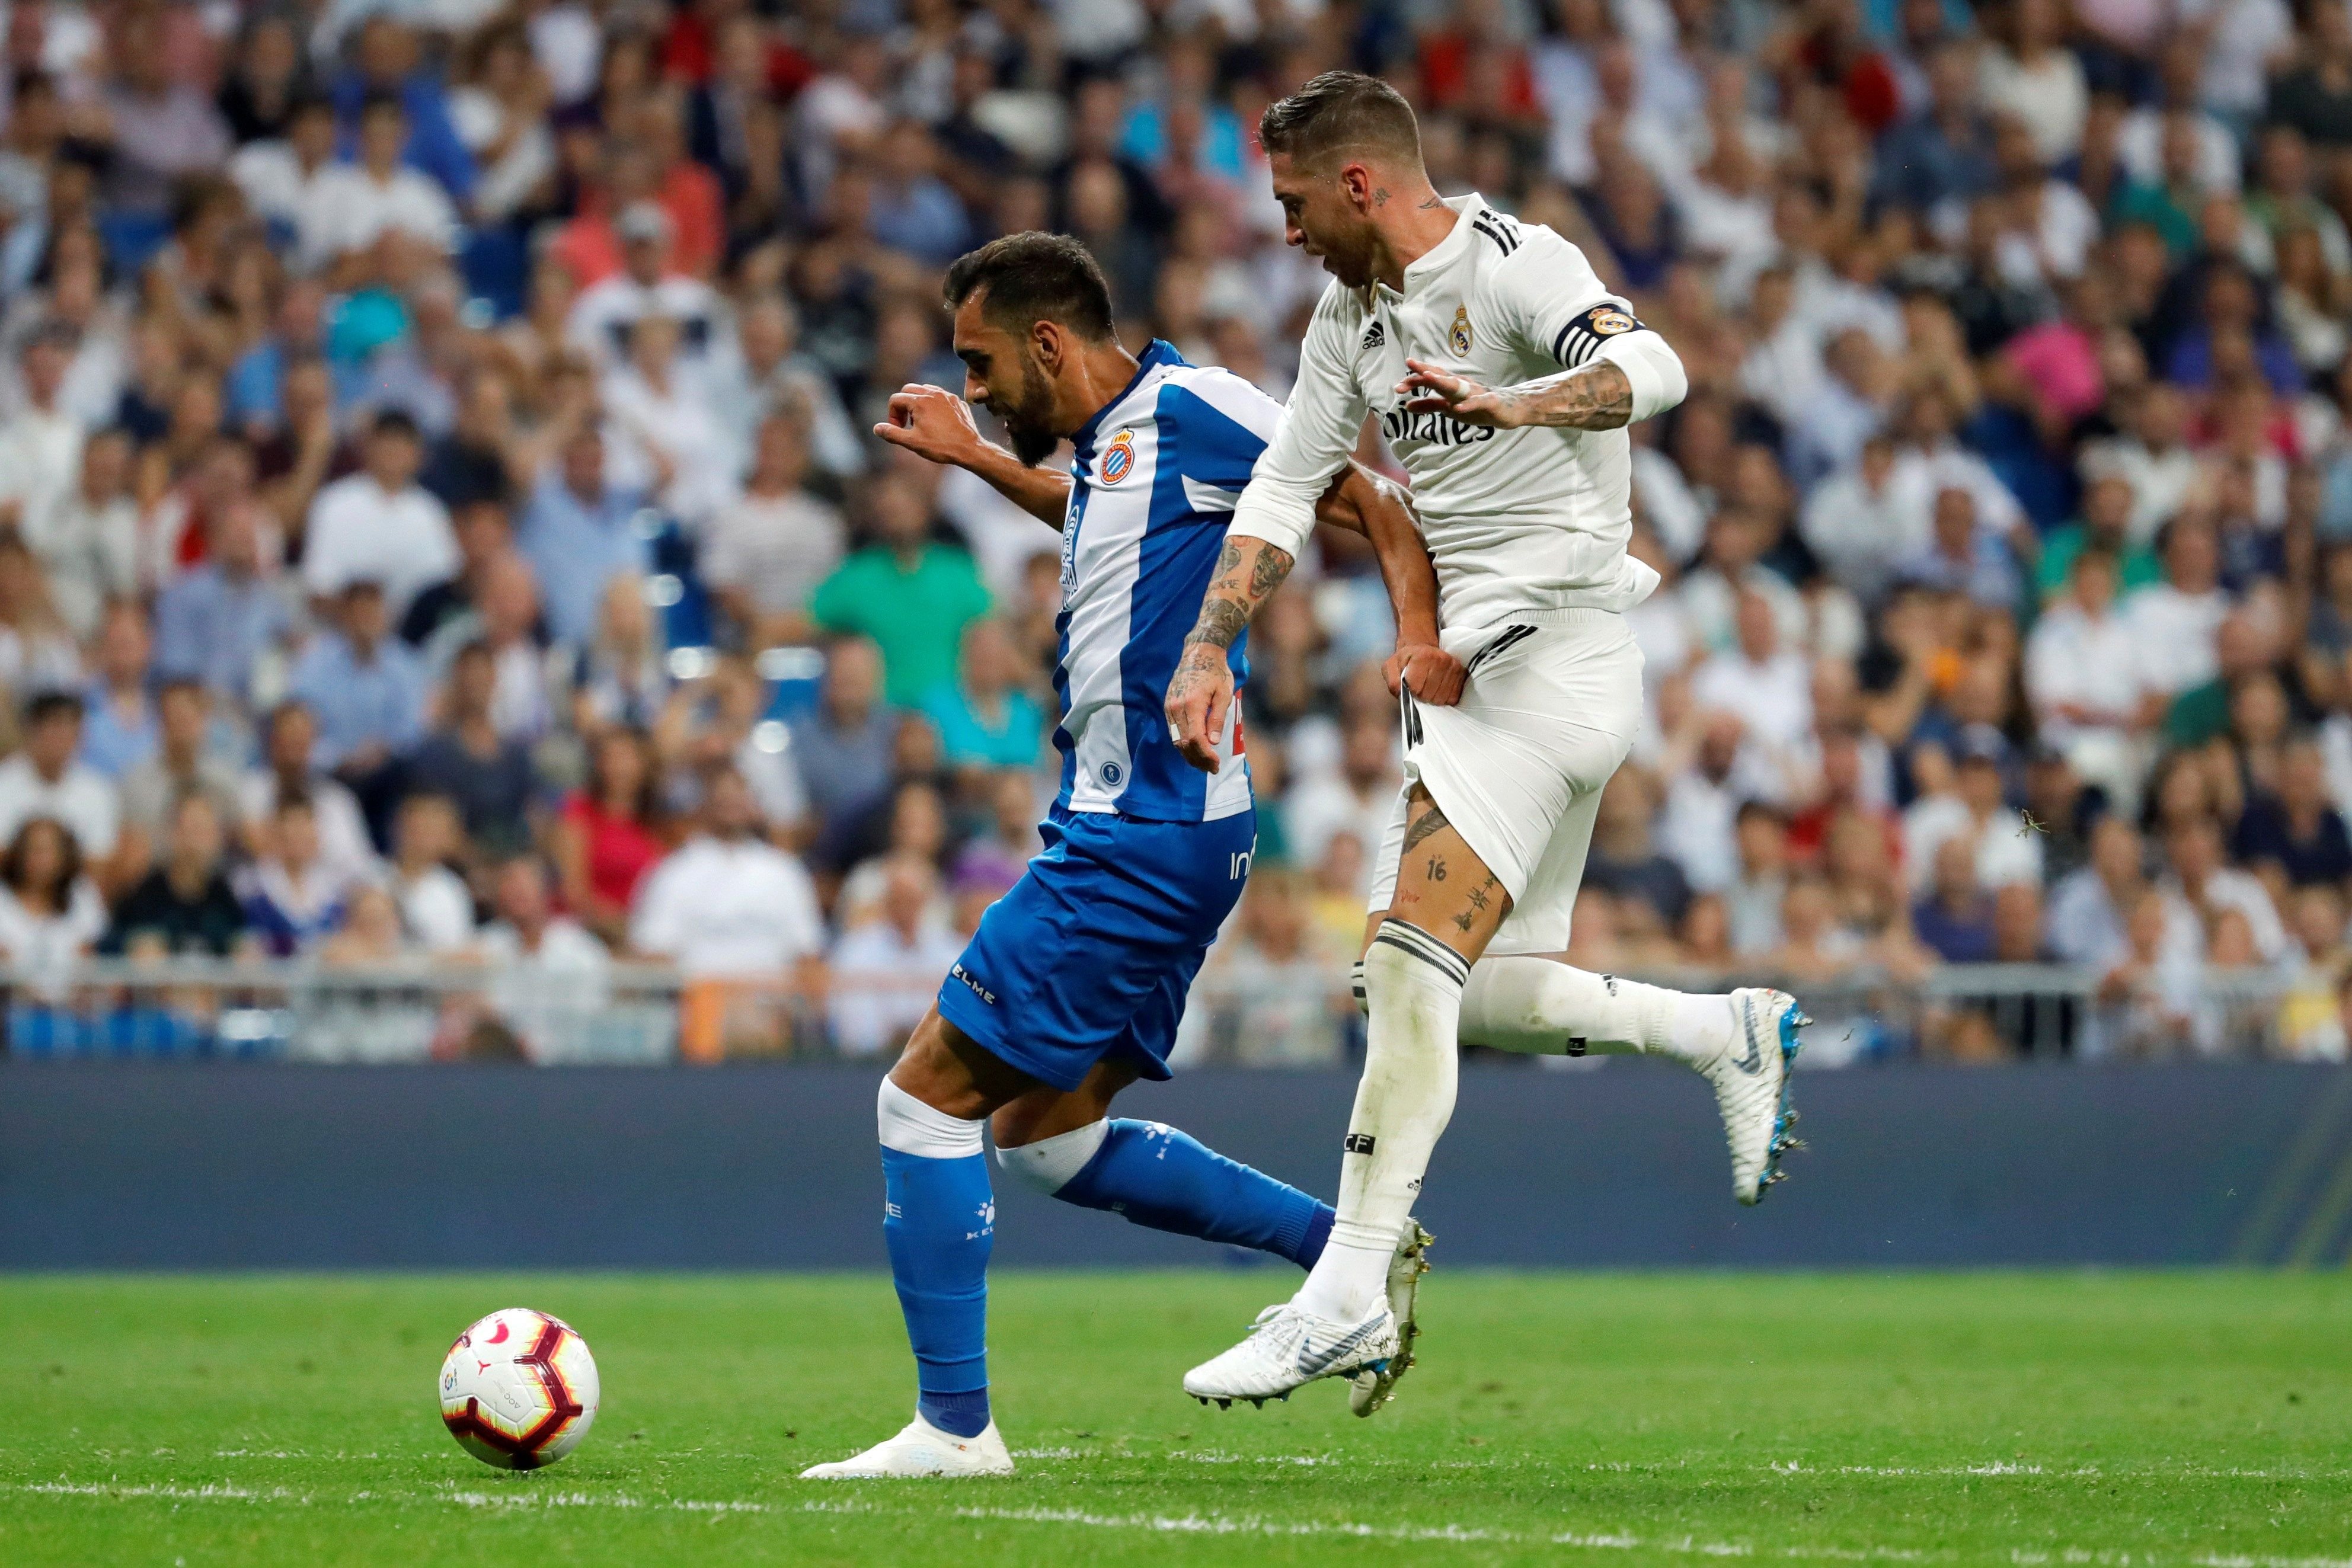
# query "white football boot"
(1751, 1088)
(1371, 1387)
(922, 1450)
(1289, 1347)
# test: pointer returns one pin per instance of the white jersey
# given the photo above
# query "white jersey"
(1521, 523)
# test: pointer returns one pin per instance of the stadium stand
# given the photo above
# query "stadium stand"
(442, 559)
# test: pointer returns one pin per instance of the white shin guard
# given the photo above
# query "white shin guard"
(1413, 983)
(1541, 1007)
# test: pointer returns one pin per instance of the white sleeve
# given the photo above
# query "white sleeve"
(799, 911)
(1316, 437)
(1653, 369)
(1556, 306)
(322, 569)
(653, 922)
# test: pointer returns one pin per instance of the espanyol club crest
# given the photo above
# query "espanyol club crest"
(1460, 336)
(1118, 458)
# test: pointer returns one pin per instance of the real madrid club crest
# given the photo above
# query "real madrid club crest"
(1460, 336)
(1118, 458)
(1608, 320)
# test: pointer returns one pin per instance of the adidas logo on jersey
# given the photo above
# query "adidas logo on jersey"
(1374, 336)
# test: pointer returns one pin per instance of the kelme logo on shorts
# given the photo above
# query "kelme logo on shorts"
(1118, 462)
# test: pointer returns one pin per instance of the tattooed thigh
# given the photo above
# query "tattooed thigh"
(1442, 886)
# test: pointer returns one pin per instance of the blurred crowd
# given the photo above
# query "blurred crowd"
(438, 519)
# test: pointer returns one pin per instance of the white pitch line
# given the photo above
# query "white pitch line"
(1996, 1468)
(1197, 1523)
(214, 1491)
(2076, 1472)
(596, 1500)
(211, 1491)
(1226, 1524)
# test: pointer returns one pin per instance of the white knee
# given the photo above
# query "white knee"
(906, 1124)
(1048, 1164)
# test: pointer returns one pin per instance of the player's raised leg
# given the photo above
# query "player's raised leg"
(1447, 905)
(1522, 999)
(939, 1222)
(1068, 1145)
(1743, 1043)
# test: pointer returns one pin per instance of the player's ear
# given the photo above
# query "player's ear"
(1050, 343)
(1357, 182)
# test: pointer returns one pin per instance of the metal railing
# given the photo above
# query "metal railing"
(1267, 1017)
(332, 1013)
(1961, 1012)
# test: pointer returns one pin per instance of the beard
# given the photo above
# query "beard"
(1027, 421)
(1350, 261)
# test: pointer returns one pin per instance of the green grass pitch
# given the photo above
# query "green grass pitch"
(1581, 1419)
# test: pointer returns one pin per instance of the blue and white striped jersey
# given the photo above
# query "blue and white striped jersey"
(1157, 473)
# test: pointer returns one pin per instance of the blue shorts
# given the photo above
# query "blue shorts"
(1090, 954)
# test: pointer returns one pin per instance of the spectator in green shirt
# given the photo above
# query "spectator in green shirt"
(987, 720)
(2106, 513)
(909, 593)
(2170, 203)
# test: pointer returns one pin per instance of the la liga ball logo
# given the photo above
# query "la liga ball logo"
(1119, 459)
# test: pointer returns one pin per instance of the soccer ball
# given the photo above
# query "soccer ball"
(518, 1389)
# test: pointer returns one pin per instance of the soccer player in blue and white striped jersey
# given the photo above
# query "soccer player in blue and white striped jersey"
(1072, 987)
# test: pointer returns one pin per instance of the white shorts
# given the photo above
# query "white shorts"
(1518, 766)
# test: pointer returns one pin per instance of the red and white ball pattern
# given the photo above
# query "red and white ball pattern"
(518, 1389)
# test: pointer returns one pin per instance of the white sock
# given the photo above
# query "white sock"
(1414, 984)
(1540, 1007)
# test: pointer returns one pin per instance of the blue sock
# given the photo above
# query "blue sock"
(1160, 1177)
(939, 1222)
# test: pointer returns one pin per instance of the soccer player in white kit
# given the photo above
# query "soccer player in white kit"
(1503, 374)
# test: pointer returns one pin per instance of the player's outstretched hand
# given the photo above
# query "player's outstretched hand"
(932, 421)
(1429, 390)
(1198, 696)
(1434, 676)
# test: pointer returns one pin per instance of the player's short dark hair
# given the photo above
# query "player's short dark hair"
(395, 422)
(1340, 112)
(48, 705)
(1026, 278)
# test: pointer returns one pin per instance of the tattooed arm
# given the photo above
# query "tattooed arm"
(1248, 572)
(1203, 690)
(1598, 397)
(1365, 503)
(1618, 371)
